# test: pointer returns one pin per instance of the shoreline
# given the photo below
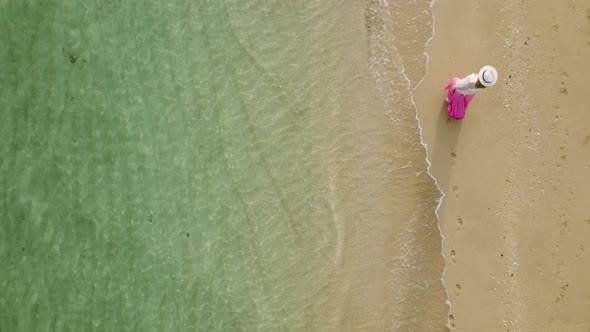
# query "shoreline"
(515, 170)
(440, 200)
(388, 269)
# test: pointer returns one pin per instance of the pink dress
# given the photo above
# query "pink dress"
(460, 93)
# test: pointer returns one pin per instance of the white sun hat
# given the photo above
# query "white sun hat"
(488, 75)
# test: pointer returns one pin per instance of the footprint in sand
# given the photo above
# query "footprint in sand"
(580, 250)
(452, 321)
(563, 148)
(456, 191)
(557, 108)
(457, 289)
(562, 291)
(453, 256)
(563, 91)
(586, 140)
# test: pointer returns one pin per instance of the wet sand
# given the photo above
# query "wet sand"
(372, 191)
(516, 170)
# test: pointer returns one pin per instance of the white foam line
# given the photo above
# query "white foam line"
(441, 198)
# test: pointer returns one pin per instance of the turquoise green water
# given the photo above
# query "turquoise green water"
(150, 185)
(158, 172)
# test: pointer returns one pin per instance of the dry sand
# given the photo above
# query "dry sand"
(516, 170)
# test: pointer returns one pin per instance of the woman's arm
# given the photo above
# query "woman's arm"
(464, 83)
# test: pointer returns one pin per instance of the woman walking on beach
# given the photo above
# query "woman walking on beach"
(462, 90)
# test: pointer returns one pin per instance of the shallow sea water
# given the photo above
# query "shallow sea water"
(178, 165)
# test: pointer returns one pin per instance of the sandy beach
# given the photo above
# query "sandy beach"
(516, 170)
